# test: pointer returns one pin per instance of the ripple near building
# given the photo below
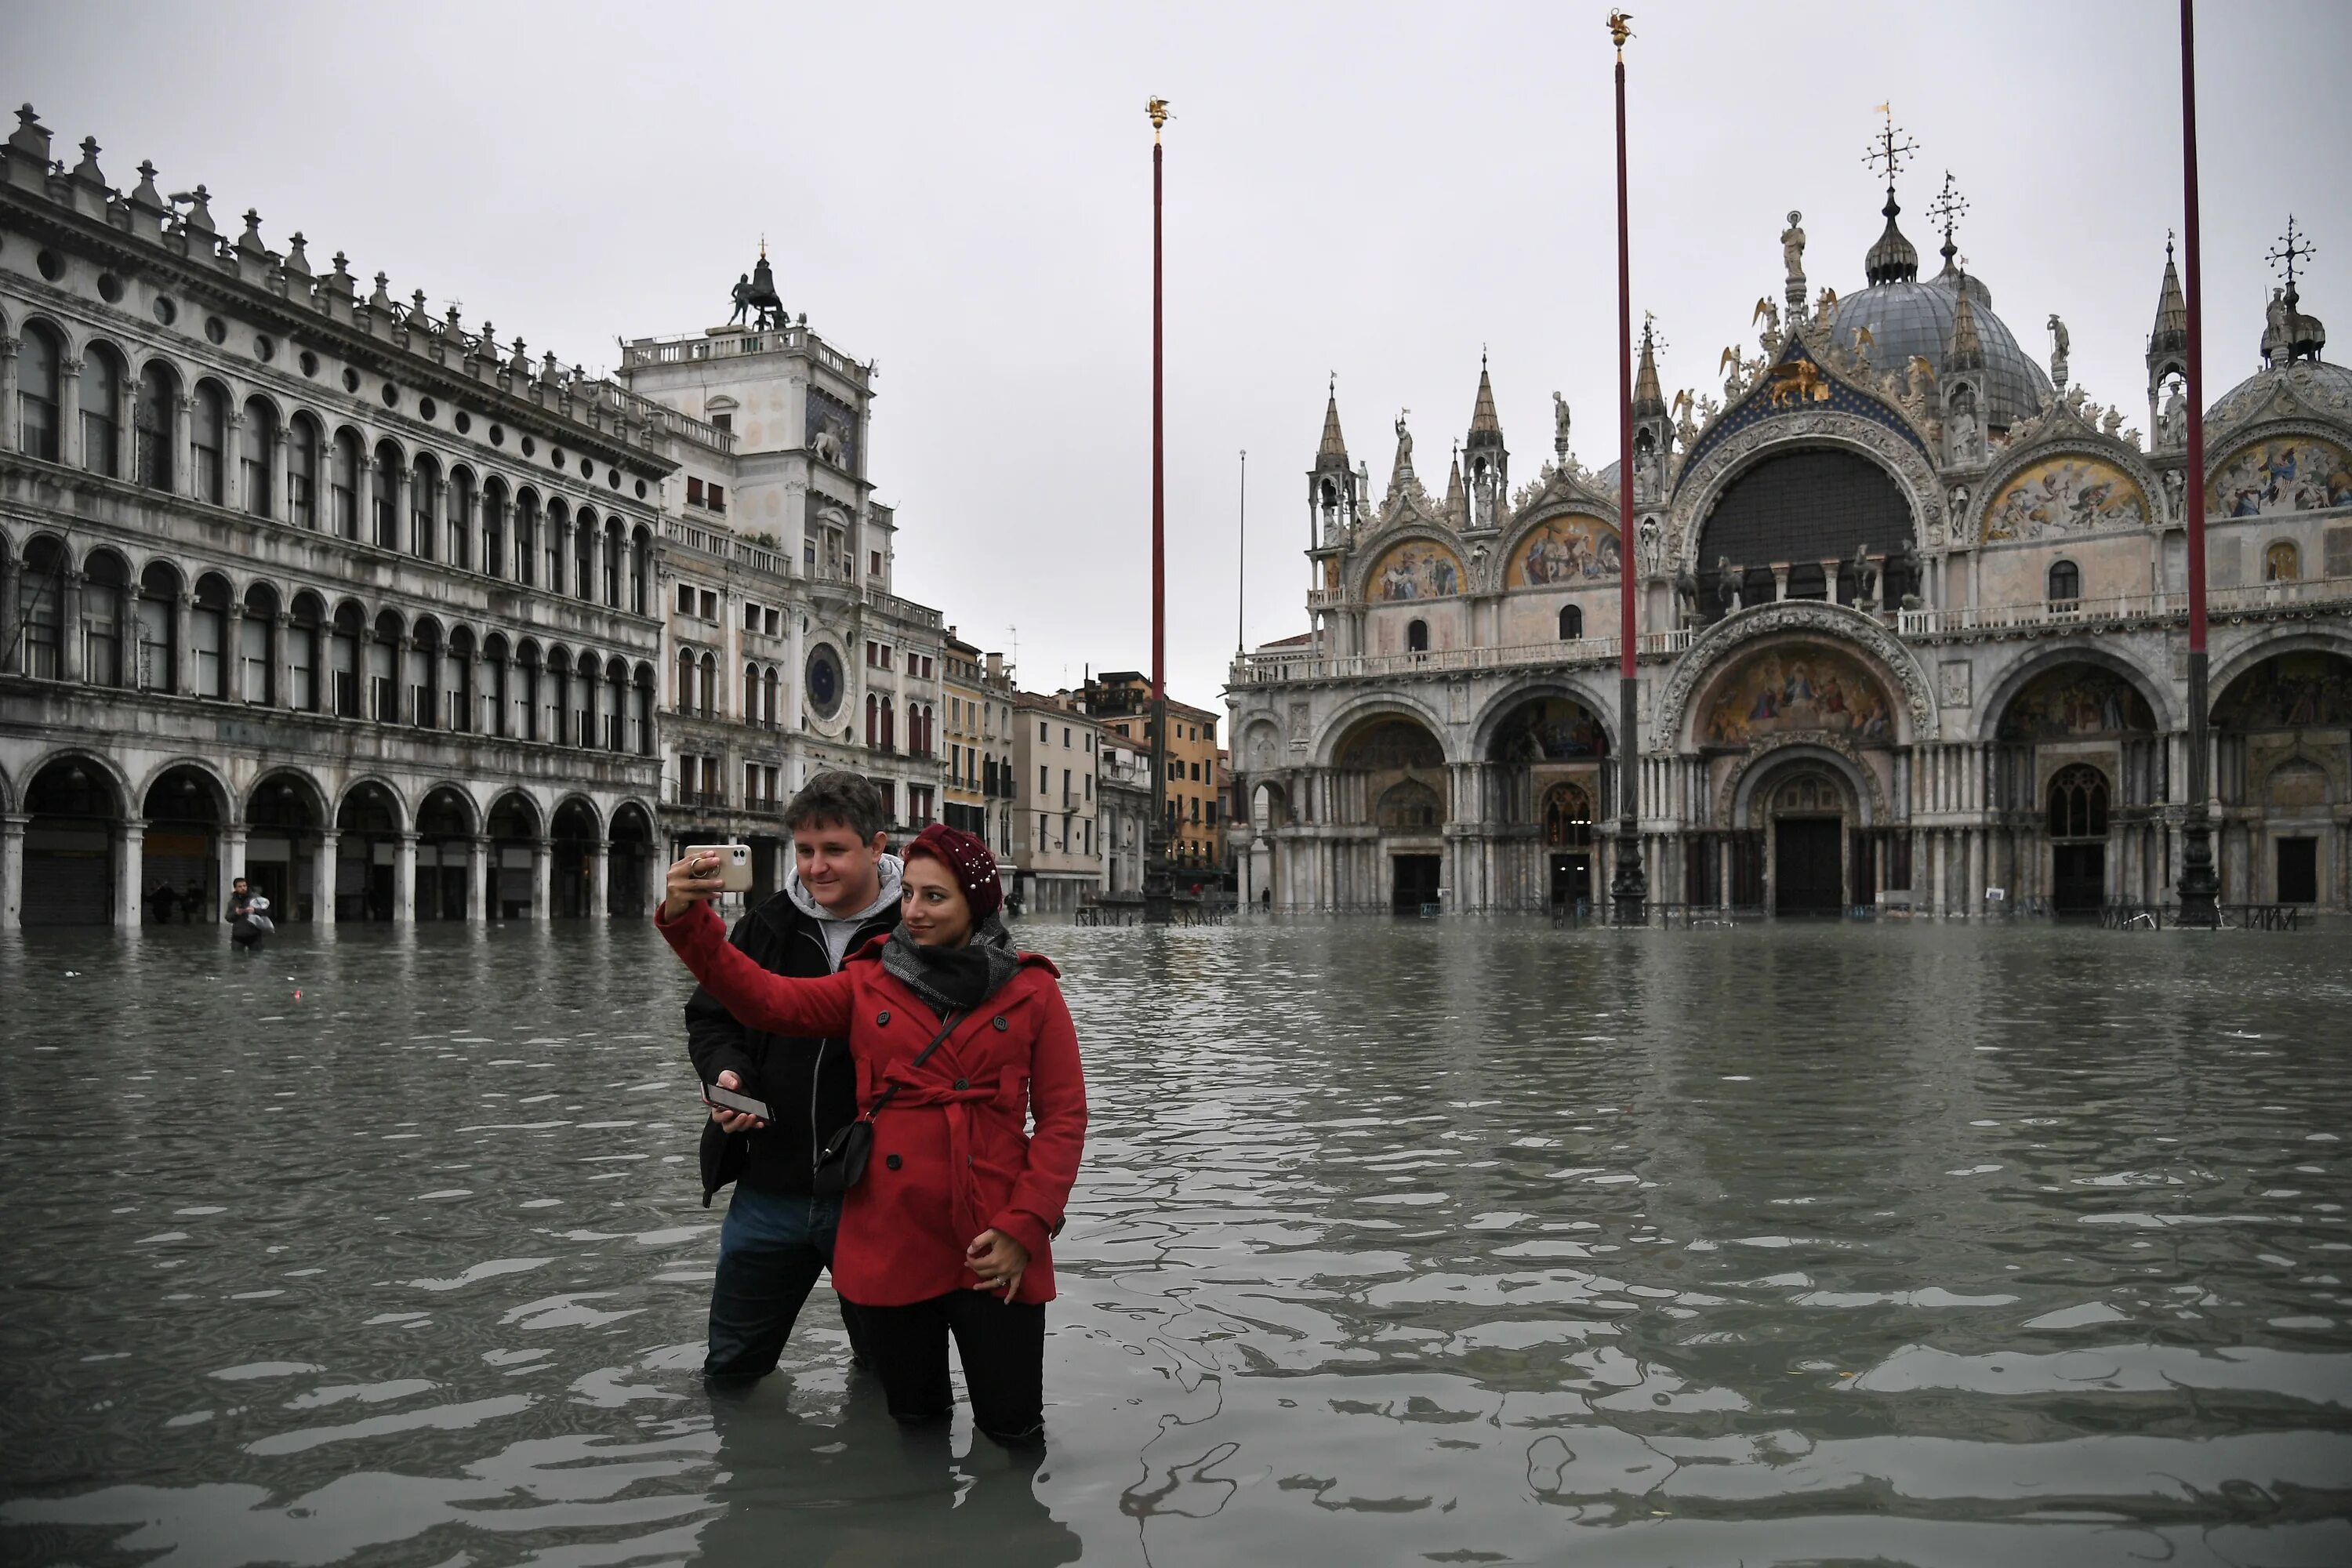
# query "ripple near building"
(1917, 632)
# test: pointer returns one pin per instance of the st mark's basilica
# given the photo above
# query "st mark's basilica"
(1914, 631)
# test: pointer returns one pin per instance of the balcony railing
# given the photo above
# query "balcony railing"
(1257, 669)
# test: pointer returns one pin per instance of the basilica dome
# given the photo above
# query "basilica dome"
(2316, 382)
(1906, 316)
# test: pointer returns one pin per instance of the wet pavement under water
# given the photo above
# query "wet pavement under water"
(1444, 1241)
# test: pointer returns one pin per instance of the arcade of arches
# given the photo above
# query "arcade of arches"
(77, 854)
(1797, 785)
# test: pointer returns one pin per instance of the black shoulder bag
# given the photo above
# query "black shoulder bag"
(841, 1164)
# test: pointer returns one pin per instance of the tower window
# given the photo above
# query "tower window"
(2065, 583)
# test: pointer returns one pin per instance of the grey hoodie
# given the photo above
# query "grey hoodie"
(839, 928)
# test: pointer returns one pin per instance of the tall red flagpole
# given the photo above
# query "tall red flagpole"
(1158, 887)
(1628, 889)
(2201, 884)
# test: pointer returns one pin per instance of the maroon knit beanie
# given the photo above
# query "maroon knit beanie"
(968, 862)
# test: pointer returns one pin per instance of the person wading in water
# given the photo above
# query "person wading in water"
(962, 1043)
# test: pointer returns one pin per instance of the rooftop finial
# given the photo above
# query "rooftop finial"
(1945, 212)
(1891, 259)
(1157, 107)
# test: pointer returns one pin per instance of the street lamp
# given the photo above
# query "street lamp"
(2201, 884)
(1158, 891)
(1629, 890)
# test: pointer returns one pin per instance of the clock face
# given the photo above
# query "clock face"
(824, 681)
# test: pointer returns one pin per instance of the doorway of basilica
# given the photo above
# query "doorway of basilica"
(1807, 812)
(1568, 845)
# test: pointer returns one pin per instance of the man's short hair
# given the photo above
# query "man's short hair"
(836, 798)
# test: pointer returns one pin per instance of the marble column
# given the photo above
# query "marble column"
(183, 656)
(330, 845)
(542, 880)
(233, 653)
(599, 886)
(281, 660)
(232, 852)
(130, 867)
(281, 505)
(232, 462)
(69, 635)
(404, 706)
(69, 413)
(11, 869)
(183, 448)
(404, 880)
(9, 348)
(478, 880)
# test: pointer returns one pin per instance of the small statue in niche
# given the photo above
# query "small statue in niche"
(2172, 425)
(2175, 486)
(1647, 534)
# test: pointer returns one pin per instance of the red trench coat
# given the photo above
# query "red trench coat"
(951, 1155)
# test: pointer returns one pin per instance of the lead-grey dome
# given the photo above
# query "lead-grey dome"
(2317, 383)
(1906, 316)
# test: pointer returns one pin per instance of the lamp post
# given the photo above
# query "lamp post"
(1628, 889)
(2201, 884)
(1158, 890)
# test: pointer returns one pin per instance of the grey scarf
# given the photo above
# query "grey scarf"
(954, 979)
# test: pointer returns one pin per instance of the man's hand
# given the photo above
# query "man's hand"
(998, 1261)
(691, 881)
(734, 1121)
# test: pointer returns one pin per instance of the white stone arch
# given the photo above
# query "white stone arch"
(476, 814)
(598, 821)
(1769, 758)
(1356, 710)
(1496, 573)
(2074, 440)
(2035, 661)
(1670, 728)
(1700, 487)
(652, 816)
(2242, 662)
(403, 811)
(131, 804)
(319, 798)
(1373, 550)
(1582, 690)
(224, 794)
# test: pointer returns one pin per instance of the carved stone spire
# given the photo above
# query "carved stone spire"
(1965, 350)
(1483, 421)
(1457, 506)
(1334, 445)
(2171, 333)
(1648, 401)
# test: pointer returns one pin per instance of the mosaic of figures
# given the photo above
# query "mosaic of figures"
(2293, 691)
(2073, 700)
(1392, 743)
(2292, 474)
(1417, 570)
(1802, 688)
(1554, 729)
(2063, 495)
(1566, 549)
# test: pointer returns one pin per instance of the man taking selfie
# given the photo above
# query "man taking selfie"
(842, 890)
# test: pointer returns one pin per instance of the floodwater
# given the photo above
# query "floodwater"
(1449, 1242)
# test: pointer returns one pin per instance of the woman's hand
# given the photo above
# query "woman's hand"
(691, 880)
(999, 1260)
(734, 1121)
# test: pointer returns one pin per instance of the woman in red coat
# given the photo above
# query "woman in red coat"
(950, 1229)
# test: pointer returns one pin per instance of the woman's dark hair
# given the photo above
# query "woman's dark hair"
(836, 798)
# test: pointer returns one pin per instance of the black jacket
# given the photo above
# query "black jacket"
(810, 1085)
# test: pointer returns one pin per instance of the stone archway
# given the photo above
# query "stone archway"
(2282, 756)
(1391, 796)
(1802, 822)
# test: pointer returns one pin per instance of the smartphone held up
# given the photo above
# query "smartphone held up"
(734, 862)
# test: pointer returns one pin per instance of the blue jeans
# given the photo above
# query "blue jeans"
(770, 1250)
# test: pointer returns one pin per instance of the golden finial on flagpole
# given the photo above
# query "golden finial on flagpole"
(1620, 29)
(1158, 109)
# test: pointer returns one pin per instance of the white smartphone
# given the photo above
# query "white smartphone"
(734, 864)
(741, 1104)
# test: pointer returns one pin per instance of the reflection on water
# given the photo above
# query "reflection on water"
(1452, 1242)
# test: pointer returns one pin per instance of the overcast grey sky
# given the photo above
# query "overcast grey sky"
(963, 193)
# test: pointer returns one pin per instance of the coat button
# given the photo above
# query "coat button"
(882, 1018)
(892, 1160)
(1000, 1025)
(963, 1083)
